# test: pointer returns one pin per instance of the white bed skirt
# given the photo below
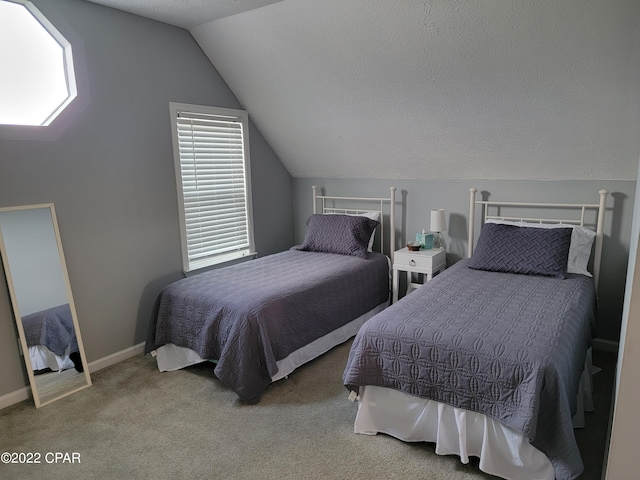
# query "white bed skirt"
(172, 357)
(502, 451)
(42, 358)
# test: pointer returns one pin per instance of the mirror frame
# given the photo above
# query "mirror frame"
(16, 309)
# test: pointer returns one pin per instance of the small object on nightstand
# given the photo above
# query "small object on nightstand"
(425, 262)
(425, 239)
(413, 246)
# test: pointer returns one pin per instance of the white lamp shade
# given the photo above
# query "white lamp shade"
(438, 220)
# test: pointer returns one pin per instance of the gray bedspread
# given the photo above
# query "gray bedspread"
(249, 316)
(509, 346)
(52, 328)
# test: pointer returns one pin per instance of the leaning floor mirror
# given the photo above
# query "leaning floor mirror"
(43, 307)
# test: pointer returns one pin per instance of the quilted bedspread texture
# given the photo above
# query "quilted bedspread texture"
(506, 345)
(249, 316)
(52, 328)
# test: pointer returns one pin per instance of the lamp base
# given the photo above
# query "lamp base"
(438, 241)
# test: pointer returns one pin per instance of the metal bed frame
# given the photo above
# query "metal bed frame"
(328, 202)
(579, 219)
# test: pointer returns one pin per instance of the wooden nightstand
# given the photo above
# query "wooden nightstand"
(427, 262)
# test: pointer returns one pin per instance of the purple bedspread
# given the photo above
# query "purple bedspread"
(249, 316)
(52, 328)
(509, 346)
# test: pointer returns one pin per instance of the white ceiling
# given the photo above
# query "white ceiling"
(185, 13)
(429, 88)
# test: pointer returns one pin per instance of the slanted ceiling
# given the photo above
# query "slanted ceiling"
(496, 89)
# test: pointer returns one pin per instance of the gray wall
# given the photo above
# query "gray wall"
(415, 199)
(107, 165)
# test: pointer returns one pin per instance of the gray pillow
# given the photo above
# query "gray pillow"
(528, 251)
(344, 234)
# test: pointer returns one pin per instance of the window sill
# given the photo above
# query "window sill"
(220, 261)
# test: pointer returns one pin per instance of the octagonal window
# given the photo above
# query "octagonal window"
(38, 81)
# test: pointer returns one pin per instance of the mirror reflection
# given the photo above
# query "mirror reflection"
(42, 302)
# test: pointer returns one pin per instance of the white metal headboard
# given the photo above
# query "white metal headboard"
(578, 208)
(326, 207)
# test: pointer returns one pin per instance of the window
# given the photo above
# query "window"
(38, 80)
(211, 153)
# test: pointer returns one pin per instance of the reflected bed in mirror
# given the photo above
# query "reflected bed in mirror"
(41, 297)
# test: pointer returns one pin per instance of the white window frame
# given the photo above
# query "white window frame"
(193, 257)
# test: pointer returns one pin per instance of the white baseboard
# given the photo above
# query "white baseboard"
(605, 345)
(116, 357)
(14, 397)
(25, 392)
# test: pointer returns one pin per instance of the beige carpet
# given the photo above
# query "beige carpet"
(136, 422)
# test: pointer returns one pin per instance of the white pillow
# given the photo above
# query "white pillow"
(372, 215)
(579, 250)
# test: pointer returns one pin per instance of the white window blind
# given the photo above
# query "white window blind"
(213, 181)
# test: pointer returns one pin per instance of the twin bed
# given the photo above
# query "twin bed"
(259, 320)
(489, 359)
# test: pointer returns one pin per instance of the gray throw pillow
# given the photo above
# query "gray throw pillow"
(344, 234)
(528, 251)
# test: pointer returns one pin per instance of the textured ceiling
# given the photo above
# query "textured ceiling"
(435, 89)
